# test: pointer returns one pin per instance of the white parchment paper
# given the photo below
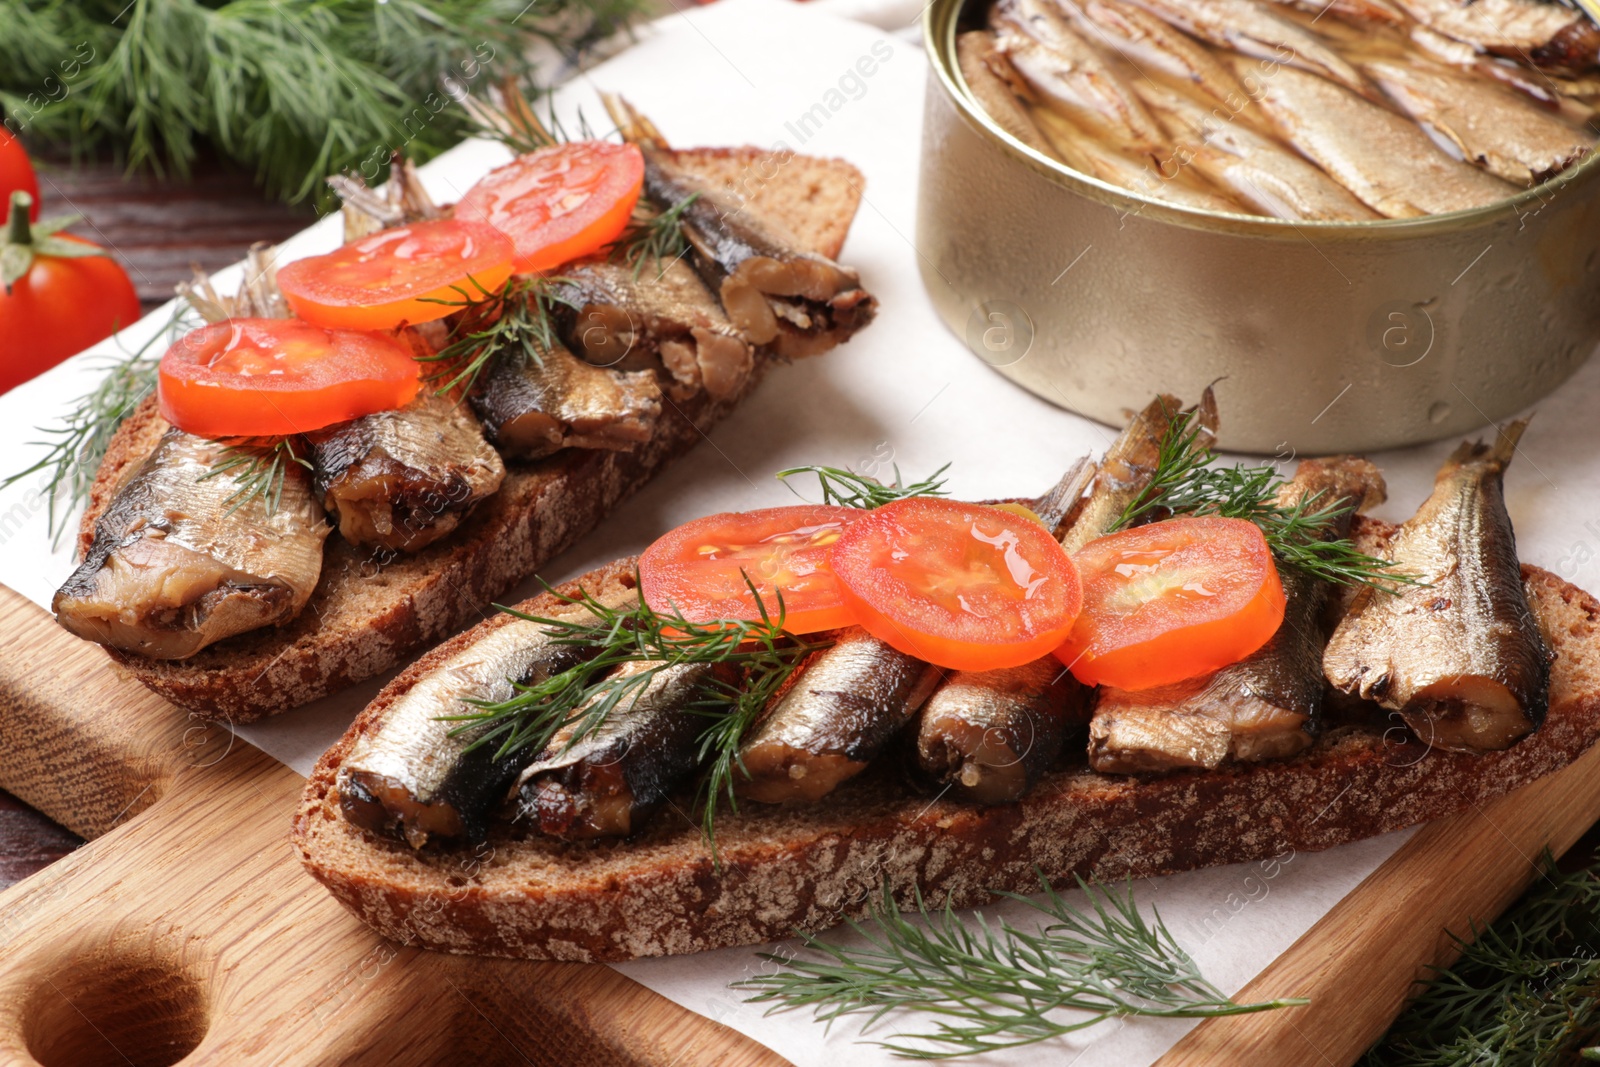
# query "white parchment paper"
(904, 392)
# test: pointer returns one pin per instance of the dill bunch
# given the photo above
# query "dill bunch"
(1525, 991)
(294, 90)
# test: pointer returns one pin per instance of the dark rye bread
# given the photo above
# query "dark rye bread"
(815, 199)
(808, 868)
(369, 614)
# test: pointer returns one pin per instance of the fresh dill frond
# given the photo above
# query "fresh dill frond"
(1183, 453)
(849, 489)
(79, 442)
(294, 91)
(987, 986)
(511, 119)
(1187, 483)
(1297, 536)
(734, 707)
(613, 636)
(655, 238)
(258, 469)
(1525, 990)
(515, 323)
(756, 657)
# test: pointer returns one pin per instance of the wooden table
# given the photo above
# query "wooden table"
(159, 231)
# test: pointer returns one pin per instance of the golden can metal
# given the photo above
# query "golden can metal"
(1326, 336)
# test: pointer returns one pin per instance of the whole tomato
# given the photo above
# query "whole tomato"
(16, 172)
(62, 294)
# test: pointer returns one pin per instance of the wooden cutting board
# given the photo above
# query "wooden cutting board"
(187, 931)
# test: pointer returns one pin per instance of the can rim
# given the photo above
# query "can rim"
(939, 21)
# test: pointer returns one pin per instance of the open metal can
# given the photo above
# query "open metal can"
(1326, 336)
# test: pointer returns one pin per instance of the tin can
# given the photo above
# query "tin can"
(1320, 336)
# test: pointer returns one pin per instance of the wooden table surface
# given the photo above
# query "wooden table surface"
(159, 231)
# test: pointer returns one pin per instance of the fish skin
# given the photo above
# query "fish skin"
(1147, 42)
(1266, 706)
(401, 200)
(1494, 127)
(1570, 96)
(772, 290)
(1087, 154)
(996, 86)
(1549, 35)
(1126, 468)
(649, 316)
(1256, 169)
(403, 479)
(410, 779)
(1250, 29)
(607, 782)
(170, 570)
(1070, 74)
(840, 709)
(990, 735)
(1461, 657)
(1061, 504)
(1383, 158)
(1377, 11)
(560, 401)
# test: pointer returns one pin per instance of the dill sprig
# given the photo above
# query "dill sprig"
(852, 490)
(1525, 990)
(514, 322)
(1187, 483)
(79, 442)
(734, 707)
(258, 469)
(511, 119)
(1182, 457)
(654, 238)
(756, 652)
(992, 986)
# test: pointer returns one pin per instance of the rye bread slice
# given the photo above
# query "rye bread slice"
(369, 614)
(808, 868)
(814, 199)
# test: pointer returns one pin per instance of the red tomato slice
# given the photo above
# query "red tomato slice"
(398, 275)
(559, 203)
(1173, 600)
(960, 585)
(274, 377)
(695, 569)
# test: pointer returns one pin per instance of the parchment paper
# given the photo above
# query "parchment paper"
(904, 392)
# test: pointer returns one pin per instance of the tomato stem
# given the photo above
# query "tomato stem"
(18, 230)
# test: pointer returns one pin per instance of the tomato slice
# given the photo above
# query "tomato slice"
(696, 568)
(961, 585)
(1173, 600)
(274, 377)
(559, 203)
(398, 275)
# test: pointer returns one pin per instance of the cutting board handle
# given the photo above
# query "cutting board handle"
(187, 931)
